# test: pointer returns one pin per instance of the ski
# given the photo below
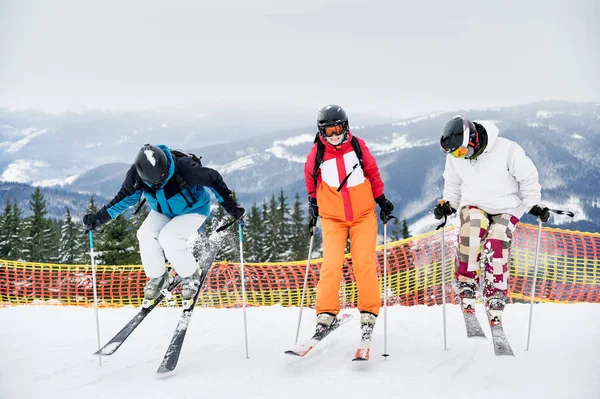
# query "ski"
(501, 345)
(118, 340)
(472, 324)
(302, 349)
(171, 357)
(363, 352)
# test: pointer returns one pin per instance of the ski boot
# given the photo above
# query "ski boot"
(325, 319)
(466, 293)
(494, 306)
(324, 322)
(154, 287)
(367, 324)
(189, 289)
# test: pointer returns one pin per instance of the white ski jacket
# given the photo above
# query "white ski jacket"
(501, 180)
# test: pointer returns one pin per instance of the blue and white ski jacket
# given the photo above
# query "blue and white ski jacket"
(168, 199)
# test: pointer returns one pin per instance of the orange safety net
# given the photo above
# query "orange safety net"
(567, 272)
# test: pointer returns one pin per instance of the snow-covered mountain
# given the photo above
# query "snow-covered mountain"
(562, 138)
(46, 148)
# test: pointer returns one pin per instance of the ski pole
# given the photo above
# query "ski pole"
(92, 257)
(535, 267)
(385, 354)
(241, 224)
(537, 252)
(442, 226)
(310, 246)
(560, 212)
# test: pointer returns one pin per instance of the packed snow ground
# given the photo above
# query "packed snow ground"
(46, 352)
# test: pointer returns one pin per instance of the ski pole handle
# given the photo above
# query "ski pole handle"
(441, 202)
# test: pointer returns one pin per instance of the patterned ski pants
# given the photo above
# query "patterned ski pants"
(493, 234)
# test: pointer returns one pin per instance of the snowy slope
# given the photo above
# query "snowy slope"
(46, 353)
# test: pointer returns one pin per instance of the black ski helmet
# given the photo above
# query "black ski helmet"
(332, 115)
(152, 165)
(460, 138)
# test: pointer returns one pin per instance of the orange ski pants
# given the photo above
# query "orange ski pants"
(363, 240)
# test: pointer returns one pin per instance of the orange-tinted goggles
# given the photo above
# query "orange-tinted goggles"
(333, 130)
(460, 152)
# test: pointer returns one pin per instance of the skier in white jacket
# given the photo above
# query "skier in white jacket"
(491, 181)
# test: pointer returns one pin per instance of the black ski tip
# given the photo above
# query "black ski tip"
(360, 359)
(164, 371)
(290, 352)
(386, 355)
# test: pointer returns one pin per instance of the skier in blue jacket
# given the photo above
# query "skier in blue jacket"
(176, 189)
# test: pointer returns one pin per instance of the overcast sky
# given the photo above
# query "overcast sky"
(392, 57)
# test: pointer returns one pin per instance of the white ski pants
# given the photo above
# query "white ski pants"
(160, 233)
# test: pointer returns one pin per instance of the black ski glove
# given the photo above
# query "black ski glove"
(443, 209)
(386, 208)
(232, 208)
(93, 220)
(540, 211)
(313, 213)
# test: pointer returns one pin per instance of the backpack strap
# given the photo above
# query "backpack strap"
(140, 205)
(184, 185)
(358, 151)
(318, 159)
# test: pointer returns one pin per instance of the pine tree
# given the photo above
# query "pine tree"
(271, 231)
(396, 232)
(299, 232)
(37, 230)
(117, 244)
(284, 228)
(405, 232)
(15, 232)
(71, 241)
(5, 233)
(52, 240)
(92, 207)
(254, 236)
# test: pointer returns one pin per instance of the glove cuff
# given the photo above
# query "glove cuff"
(104, 216)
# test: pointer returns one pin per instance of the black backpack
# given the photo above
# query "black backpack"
(321, 151)
(183, 185)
